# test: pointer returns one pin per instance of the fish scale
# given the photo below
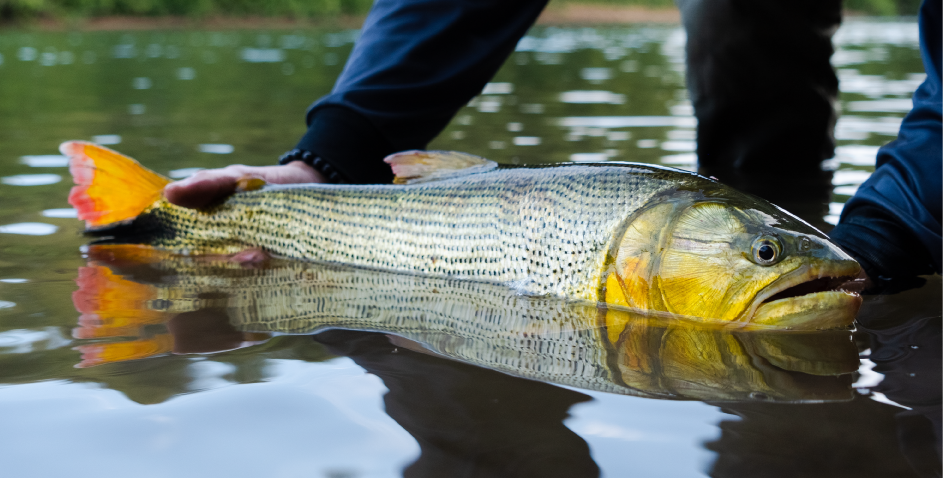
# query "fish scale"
(545, 230)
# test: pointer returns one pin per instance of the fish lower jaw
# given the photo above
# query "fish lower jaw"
(813, 311)
(811, 297)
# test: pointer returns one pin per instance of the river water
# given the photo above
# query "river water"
(98, 377)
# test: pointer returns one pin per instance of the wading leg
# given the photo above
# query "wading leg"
(763, 91)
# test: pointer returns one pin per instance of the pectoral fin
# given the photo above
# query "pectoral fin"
(412, 167)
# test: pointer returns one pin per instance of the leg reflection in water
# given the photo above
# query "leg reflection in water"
(469, 421)
(903, 329)
(891, 428)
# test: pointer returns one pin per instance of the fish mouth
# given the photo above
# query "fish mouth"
(814, 296)
(822, 284)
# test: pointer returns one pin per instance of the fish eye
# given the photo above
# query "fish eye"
(766, 250)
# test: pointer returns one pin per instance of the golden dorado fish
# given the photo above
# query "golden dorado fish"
(167, 301)
(631, 235)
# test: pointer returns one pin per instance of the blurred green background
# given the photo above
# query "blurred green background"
(18, 10)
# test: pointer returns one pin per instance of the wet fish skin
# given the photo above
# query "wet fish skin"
(631, 235)
(548, 231)
(639, 236)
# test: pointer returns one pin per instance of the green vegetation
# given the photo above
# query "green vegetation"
(884, 7)
(632, 3)
(24, 9)
(11, 9)
(868, 7)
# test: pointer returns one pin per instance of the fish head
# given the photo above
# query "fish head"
(732, 258)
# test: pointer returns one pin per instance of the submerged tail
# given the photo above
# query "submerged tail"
(110, 187)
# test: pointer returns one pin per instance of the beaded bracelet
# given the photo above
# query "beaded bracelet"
(318, 164)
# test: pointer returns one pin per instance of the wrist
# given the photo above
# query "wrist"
(303, 170)
(326, 171)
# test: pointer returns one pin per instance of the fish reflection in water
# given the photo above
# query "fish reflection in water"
(472, 420)
(184, 305)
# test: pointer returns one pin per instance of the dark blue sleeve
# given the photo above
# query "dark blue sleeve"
(892, 224)
(416, 63)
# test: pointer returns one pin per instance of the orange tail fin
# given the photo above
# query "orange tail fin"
(110, 187)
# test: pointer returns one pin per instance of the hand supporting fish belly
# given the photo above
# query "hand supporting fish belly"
(631, 235)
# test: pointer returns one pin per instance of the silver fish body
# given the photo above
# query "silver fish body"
(547, 230)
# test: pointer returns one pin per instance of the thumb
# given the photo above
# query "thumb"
(201, 189)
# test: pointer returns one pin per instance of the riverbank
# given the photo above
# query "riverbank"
(555, 14)
(606, 14)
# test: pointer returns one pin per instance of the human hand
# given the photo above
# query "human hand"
(859, 284)
(210, 185)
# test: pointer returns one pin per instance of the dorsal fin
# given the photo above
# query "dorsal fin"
(412, 167)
